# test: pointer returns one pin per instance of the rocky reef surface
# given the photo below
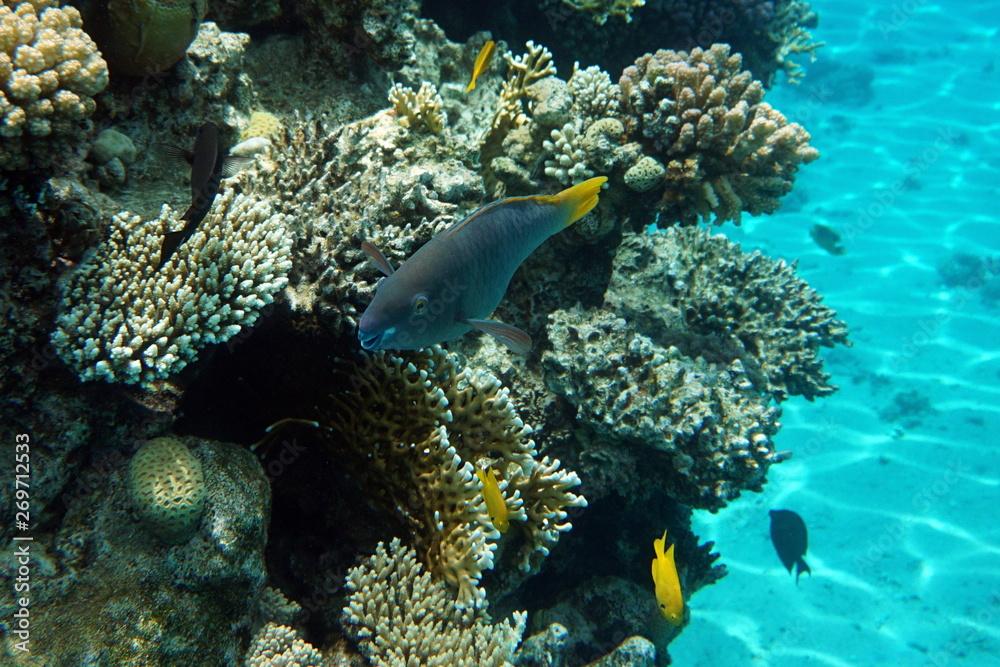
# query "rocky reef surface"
(222, 476)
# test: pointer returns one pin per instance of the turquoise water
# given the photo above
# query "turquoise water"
(901, 508)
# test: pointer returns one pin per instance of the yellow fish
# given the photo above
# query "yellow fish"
(482, 60)
(667, 585)
(495, 504)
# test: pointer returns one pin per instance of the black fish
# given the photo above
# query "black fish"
(827, 238)
(790, 539)
(210, 163)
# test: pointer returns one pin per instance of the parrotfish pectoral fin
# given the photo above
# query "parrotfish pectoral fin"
(577, 201)
(377, 258)
(234, 165)
(517, 340)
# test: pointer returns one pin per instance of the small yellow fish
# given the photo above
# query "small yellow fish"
(495, 504)
(482, 60)
(667, 585)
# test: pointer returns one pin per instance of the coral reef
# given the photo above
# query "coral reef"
(123, 320)
(379, 30)
(167, 486)
(147, 603)
(714, 430)
(726, 151)
(280, 646)
(50, 70)
(144, 37)
(416, 428)
(701, 293)
(601, 10)
(401, 616)
(417, 110)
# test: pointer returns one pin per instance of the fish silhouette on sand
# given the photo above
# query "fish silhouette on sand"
(790, 539)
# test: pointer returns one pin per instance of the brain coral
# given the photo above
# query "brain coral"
(167, 487)
(122, 320)
(703, 294)
(725, 150)
(49, 72)
(401, 615)
(416, 428)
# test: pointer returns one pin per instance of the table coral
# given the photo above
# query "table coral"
(50, 70)
(122, 320)
(400, 615)
(702, 293)
(725, 150)
(417, 428)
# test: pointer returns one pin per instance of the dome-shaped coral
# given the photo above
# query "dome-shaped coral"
(49, 71)
(167, 487)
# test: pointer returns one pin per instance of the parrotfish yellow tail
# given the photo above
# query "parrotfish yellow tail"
(578, 200)
(495, 504)
(482, 60)
(666, 583)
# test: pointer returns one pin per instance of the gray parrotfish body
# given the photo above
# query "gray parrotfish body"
(455, 280)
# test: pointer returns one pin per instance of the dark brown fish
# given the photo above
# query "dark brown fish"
(790, 539)
(210, 163)
(827, 238)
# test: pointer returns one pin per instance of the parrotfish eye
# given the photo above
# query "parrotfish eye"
(420, 304)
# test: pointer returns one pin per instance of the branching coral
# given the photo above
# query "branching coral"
(417, 110)
(725, 150)
(594, 96)
(280, 646)
(716, 301)
(707, 420)
(417, 429)
(401, 616)
(124, 320)
(50, 70)
(566, 161)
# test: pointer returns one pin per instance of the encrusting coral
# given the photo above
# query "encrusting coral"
(416, 429)
(687, 288)
(725, 150)
(400, 615)
(167, 486)
(50, 70)
(124, 320)
(714, 430)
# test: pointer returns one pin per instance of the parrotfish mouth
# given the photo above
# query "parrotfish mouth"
(373, 341)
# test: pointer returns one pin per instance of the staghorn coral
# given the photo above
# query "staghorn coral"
(122, 320)
(706, 421)
(416, 428)
(703, 294)
(400, 615)
(167, 486)
(50, 70)
(280, 646)
(725, 150)
(417, 110)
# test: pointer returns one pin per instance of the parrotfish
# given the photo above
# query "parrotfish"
(210, 163)
(790, 539)
(666, 583)
(454, 281)
(495, 504)
(482, 60)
